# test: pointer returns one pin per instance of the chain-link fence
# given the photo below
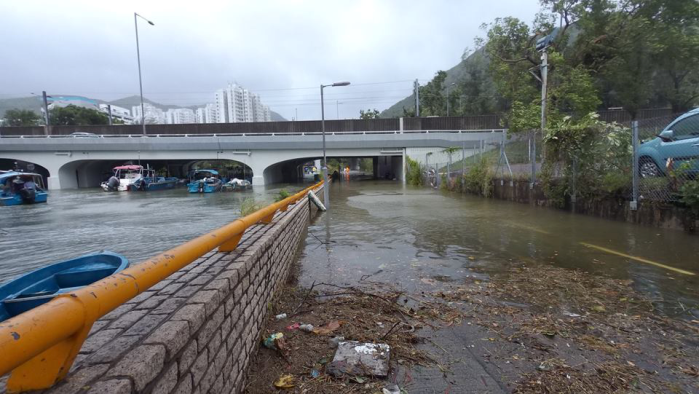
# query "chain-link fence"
(666, 163)
(655, 159)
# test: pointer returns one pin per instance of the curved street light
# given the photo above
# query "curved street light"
(138, 55)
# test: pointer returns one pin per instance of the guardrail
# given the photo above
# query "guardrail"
(38, 347)
(87, 137)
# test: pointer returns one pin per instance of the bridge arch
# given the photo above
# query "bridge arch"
(25, 166)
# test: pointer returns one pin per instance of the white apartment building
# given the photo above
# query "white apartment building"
(221, 104)
(120, 113)
(180, 116)
(201, 115)
(153, 115)
(210, 114)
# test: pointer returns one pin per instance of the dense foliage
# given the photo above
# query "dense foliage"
(607, 53)
(77, 116)
(21, 117)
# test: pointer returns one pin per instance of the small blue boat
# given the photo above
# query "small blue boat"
(41, 286)
(204, 181)
(17, 188)
(150, 184)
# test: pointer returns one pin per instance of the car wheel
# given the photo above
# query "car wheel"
(648, 169)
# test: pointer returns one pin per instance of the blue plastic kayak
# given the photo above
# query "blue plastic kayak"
(40, 286)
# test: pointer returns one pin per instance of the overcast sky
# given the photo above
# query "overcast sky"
(280, 49)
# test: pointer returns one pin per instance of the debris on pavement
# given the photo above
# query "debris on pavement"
(285, 382)
(280, 316)
(360, 359)
(306, 327)
(328, 328)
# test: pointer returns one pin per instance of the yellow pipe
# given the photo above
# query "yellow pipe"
(28, 335)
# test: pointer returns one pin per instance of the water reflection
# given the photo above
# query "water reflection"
(414, 238)
(137, 225)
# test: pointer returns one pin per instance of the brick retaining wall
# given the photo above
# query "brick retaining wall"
(195, 331)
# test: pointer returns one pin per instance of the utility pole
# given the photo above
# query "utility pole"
(109, 109)
(544, 73)
(416, 86)
(46, 112)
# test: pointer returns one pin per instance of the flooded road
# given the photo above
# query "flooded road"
(416, 238)
(137, 225)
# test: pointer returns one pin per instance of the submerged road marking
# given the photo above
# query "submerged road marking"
(640, 259)
(536, 230)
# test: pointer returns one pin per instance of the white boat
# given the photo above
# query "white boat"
(124, 178)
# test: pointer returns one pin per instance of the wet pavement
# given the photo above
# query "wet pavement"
(417, 238)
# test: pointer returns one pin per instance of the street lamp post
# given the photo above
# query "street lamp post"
(138, 55)
(326, 187)
(451, 84)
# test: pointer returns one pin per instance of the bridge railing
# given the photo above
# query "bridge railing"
(314, 133)
(38, 347)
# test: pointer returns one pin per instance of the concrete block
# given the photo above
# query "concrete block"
(209, 328)
(217, 387)
(160, 285)
(230, 274)
(184, 386)
(208, 380)
(214, 344)
(112, 386)
(141, 297)
(98, 325)
(170, 305)
(167, 382)
(119, 311)
(171, 288)
(145, 325)
(220, 285)
(209, 298)
(151, 302)
(111, 351)
(128, 319)
(142, 365)
(187, 290)
(173, 335)
(188, 356)
(220, 359)
(81, 378)
(199, 367)
(201, 279)
(94, 342)
(194, 314)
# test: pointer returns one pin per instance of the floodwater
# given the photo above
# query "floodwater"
(137, 225)
(417, 238)
(414, 238)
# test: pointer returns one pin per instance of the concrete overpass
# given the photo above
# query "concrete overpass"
(71, 162)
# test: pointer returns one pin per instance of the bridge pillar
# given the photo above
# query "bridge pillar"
(354, 164)
(54, 182)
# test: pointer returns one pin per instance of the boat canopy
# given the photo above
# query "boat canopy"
(213, 172)
(5, 175)
(129, 167)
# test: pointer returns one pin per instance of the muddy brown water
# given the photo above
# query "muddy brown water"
(136, 224)
(416, 239)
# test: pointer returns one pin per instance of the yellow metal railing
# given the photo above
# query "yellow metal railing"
(39, 346)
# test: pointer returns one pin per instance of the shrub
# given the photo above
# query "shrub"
(689, 195)
(479, 178)
(282, 195)
(249, 206)
(413, 172)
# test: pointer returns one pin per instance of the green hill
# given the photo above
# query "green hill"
(471, 71)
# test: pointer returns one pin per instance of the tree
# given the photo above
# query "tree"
(22, 117)
(432, 101)
(369, 114)
(77, 116)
